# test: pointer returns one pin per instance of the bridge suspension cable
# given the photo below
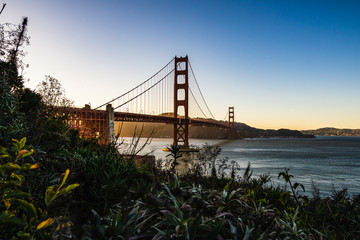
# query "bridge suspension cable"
(140, 85)
(197, 84)
(138, 95)
(156, 94)
(226, 116)
(197, 103)
(193, 96)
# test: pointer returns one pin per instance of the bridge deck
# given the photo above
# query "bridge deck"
(90, 114)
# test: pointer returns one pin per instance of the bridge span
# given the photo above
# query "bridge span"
(167, 91)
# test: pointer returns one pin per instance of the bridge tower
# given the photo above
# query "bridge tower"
(232, 131)
(181, 99)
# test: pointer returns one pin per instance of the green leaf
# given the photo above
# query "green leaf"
(28, 166)
(247, 233)
(3, 153)
(63, 178)
(172, 219)
(11, 183)
(16, 194)
(222, 214)
(29, 207)
(176, 181)
(67, 189)
(169, 193)
(15, 180)
(22, 142)
(10, 219)
(159, 234)
(10, 167)
(49, 195)
(24, 235)
(24, 153)
(296, 185)
(284, 199)
(232, 194)
(18, 145)
(215, 230)
(233, 230)
(63, 226)
(194, 226)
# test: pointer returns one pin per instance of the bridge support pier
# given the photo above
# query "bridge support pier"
(110, 133)
(181, 96)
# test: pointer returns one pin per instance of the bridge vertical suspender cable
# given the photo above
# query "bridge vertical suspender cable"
(192, 94)
(143, 83)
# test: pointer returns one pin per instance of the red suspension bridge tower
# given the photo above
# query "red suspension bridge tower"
(181, 99)
(232, 132)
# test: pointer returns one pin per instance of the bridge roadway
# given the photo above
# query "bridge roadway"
(133, 117)
(102, 115)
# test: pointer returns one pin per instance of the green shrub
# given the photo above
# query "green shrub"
(20, 216)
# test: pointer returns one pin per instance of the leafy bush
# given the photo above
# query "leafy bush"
(20, 215)
(11, 120)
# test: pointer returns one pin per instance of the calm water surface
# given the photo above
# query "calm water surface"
(330, 162)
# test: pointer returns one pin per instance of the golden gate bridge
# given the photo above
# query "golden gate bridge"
(169, 96)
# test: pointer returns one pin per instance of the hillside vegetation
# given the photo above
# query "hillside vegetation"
(161, 130)
(333, 132)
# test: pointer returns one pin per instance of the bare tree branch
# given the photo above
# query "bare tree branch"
(2, 9)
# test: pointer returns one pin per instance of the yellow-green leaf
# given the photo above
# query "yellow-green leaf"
(48, 222)
(3, 150)
(63, 178)
(24, 235)
(62, 226)
(16, 194)
(28, 166)
(10, 167)
(18, 145)
(29, 207)
(68, 189)
(7, 204)
(15, 179)
(11, 219)
(49, 195)
(22, 142)
(34, 166)
(3, 153)
(24, 153)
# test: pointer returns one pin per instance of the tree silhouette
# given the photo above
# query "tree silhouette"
(53, 93)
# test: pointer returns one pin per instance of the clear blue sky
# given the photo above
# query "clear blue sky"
(281, 64)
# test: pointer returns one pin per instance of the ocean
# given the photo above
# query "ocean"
(331, 163)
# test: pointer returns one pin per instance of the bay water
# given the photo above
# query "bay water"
(331, 163)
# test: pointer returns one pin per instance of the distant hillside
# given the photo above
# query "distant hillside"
(333, 132)
(246, 131)
(162, 130)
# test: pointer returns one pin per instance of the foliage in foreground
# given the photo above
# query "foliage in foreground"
(116, 199)
(173, 208)
(20, 214)
(178, 210)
